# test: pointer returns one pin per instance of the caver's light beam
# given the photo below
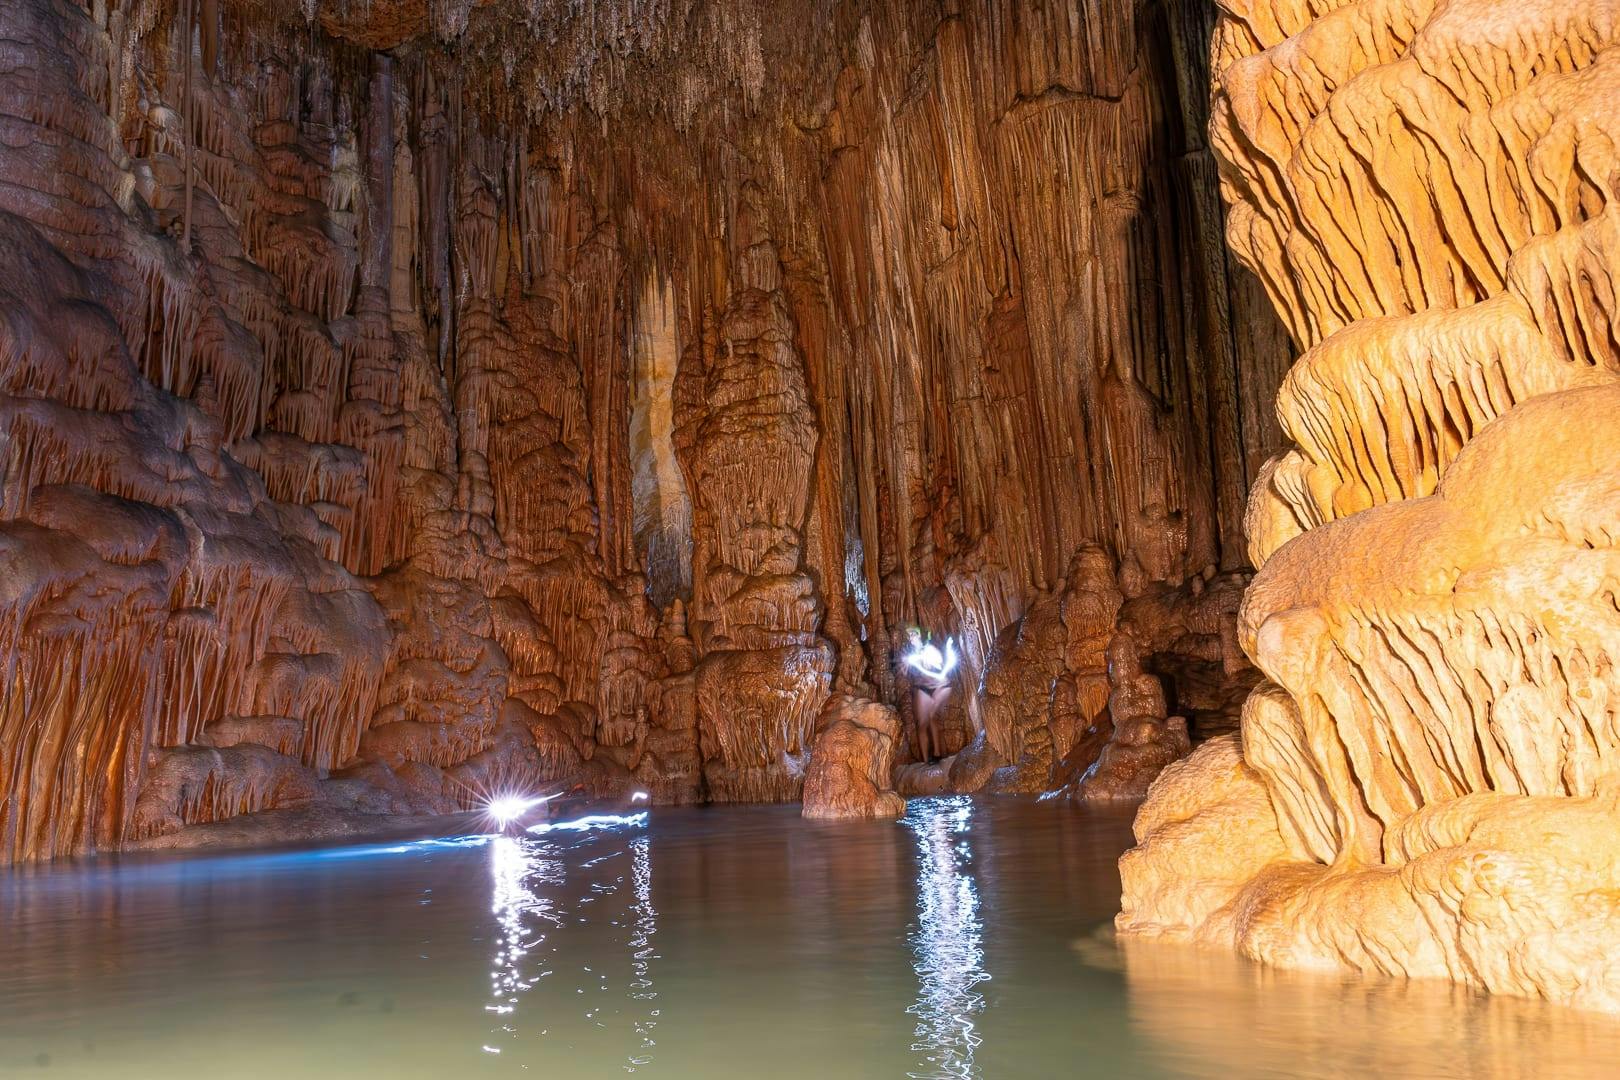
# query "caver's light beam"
(504, 809)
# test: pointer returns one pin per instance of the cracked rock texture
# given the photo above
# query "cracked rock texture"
(411, 400)
(1425, 782)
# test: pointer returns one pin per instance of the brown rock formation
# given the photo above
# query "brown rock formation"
(848, 775)
(1424, 783)
(406, 401)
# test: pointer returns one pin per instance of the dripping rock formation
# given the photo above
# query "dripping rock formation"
(412, 401)
(1425, 783)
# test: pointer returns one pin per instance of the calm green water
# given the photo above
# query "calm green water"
(968, 940)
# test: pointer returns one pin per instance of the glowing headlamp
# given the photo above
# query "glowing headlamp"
(926, 659)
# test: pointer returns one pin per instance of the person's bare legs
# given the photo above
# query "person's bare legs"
(941, 696)
(919, 714)
(928, 704)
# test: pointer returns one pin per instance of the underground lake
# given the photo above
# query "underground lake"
(969, 939)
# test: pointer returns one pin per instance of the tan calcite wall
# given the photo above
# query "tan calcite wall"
(1424, 785)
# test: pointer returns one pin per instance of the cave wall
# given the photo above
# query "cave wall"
(408, 402)
(1424, 784)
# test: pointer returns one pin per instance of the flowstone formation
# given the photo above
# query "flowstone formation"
(407, 402)
(1425, 783)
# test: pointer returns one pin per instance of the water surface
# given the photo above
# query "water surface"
(968, 940)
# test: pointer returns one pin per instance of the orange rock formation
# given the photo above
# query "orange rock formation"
(410, 400)
(1424, 784)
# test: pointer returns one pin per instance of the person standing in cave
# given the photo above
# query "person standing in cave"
(931, 689)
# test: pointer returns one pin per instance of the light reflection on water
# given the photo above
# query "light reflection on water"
(519, 868)
(528, 878)
(964, 941)
(641, 950)
(947, 942)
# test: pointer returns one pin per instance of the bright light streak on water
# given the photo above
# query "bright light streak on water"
(590, 821)
(368, 852)
(947, 940)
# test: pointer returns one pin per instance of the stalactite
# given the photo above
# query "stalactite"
(187, 27)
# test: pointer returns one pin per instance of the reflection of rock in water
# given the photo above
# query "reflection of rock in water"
(1212, 1014)
(947, 946)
